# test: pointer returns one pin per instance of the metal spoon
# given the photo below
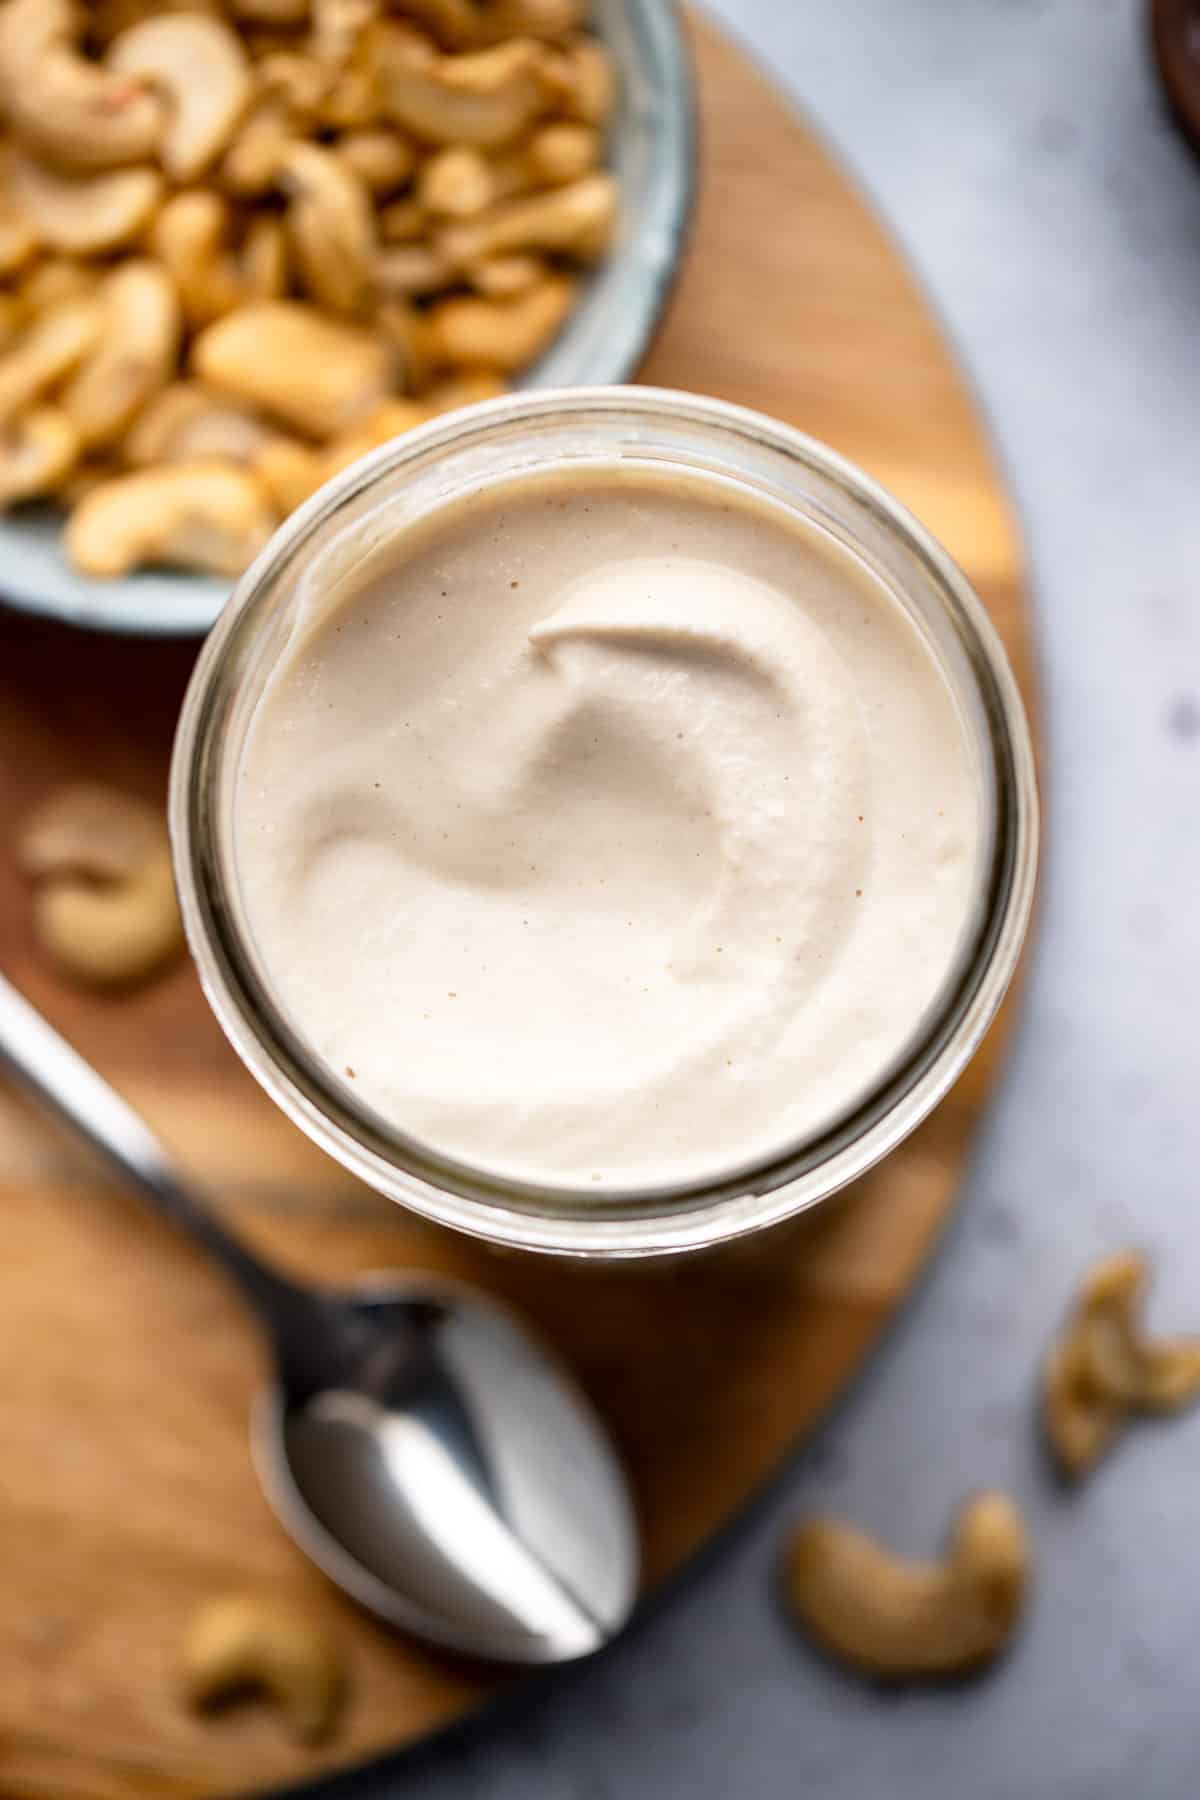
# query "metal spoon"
(419, 1446)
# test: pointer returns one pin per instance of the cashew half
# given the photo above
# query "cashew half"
(331, 227)
(337, 27)
(382, 159)
(299, 80)
(412, 269)
(191, 237)
(240, 1644)
(291, 471)
(499, 334)
(37, 453)
(504, 277)
(576, 219)
(54, 344)
(104, 903)
(63, 107)
(291, 361)
(898, 1620)
(134, 357)
(1102, 1370)
(84, 215)
(456, 183)
(204, 514)
(485, 98)
(199, 66)
(249, 166)
(185, 421)
(582, 78)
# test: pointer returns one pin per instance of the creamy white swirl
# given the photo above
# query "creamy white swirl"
(609, 828)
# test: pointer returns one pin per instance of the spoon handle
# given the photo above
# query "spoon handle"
(62, 1081)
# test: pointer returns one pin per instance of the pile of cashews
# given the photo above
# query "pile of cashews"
(242, 242)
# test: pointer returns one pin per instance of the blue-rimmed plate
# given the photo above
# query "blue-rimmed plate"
(603, 341)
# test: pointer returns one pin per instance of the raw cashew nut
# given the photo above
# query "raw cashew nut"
(576, 219)
(240, 1644)
(293, 362)
(199, 66)
(390, 420)
(352, 102)
(250, 164)
(383, 160)
(134, 357)
(561, 152)
(185, 421)
(499, 334)
(69, 110)
(291, 472)
(54, 344)
(264, 259)
(300, 81)
(191, 237)
(1102, 1370)
(504, 277)
(412, 269)
(331, 227)
(898, 1620)
(456, 183)
(582, 79)
(337, 27)
(485, 98)
(555, 154)
(204, 514)
(37, 453)
(104, 902)
(84, 215)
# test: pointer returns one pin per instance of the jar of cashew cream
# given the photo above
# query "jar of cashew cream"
(605, 821)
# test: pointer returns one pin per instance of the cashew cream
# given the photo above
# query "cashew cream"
(608, 828)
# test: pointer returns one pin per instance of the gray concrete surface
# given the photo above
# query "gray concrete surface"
(1020, 151)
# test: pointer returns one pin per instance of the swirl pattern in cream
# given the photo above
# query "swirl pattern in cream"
(613, 829)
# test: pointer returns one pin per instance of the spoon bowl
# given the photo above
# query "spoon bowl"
(454, 1480)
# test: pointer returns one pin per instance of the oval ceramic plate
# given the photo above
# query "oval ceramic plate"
(604, 340)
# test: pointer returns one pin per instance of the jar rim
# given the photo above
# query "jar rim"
(673, 1217)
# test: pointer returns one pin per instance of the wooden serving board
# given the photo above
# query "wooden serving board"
(127, 1496)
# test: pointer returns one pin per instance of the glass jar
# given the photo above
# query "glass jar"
(375, 500)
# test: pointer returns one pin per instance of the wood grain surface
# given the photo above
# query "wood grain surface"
(127, 1495)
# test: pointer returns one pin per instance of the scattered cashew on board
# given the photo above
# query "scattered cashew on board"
(1103, 1370)
(241, 1644)
(104, 906)
(896, 1619)
(395, 196)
